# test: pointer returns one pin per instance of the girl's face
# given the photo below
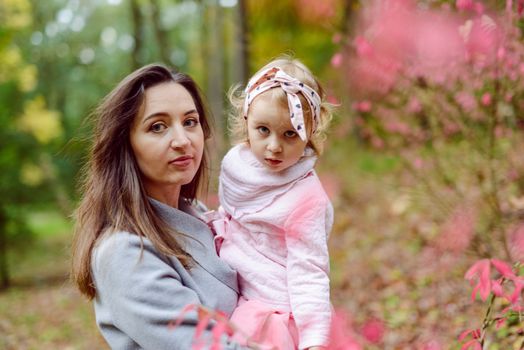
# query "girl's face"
(167, 141)
(272, 138)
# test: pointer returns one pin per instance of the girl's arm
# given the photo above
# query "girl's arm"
(308, 267)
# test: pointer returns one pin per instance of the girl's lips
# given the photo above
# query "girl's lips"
(273, 162)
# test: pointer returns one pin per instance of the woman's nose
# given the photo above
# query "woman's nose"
(179, 137)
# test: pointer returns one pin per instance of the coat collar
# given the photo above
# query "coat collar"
(196, 239)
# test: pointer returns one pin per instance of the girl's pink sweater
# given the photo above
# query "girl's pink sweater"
(278, 244)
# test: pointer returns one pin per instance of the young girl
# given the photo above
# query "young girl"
(274, 216)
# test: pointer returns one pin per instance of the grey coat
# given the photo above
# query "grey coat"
(139, 292)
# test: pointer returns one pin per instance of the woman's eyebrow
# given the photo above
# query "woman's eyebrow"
(192, 111)
(153, 115)
(161, 114)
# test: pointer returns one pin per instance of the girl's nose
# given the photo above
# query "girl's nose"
(179, 137)
(274, 145)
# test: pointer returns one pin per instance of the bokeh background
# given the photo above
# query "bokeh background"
(423, 161)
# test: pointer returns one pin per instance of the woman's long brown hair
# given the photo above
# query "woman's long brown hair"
(114, 198)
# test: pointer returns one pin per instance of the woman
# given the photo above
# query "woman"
(139, 249)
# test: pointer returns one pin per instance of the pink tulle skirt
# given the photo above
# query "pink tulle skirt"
(261, 324)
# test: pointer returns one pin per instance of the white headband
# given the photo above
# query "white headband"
(275, 77)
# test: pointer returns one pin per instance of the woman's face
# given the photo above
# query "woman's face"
(167, 140)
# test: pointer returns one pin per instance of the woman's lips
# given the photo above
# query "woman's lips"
(182, 161)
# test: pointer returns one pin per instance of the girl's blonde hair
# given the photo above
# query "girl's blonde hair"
(295, 68)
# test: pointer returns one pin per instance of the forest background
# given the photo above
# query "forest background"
(423, 161)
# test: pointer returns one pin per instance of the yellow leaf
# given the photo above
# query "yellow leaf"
(27, 78)
(31, 175)
(42, 123)
(10, 63)
(15, 14)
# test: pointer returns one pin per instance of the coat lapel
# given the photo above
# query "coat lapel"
(197, 240)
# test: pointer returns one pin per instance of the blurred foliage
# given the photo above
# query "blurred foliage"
(301, 28)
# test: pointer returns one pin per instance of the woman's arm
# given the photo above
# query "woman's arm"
(140, 294)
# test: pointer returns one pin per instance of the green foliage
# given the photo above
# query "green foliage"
(286, 30)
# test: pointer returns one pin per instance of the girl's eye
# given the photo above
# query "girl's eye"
(290, 134)
(191, 122)
(158, 127)
(263, 130)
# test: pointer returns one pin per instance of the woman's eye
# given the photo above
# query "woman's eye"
(263, 130)
(158, 127)
(290, 134)
(191, 122)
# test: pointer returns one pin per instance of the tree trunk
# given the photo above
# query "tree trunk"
(4, 268)
(161, 38)
(215, 68)
(59, 191)
(242, 43)
(347, 25)
(138, 34)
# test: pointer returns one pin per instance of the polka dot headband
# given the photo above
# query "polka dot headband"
(275, 77)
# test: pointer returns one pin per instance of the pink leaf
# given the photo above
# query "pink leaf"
(336, 60)
(337, 38)
(517, 308)
(465, 4)
(341, 334)
(516, 236)
(473, 344)
(373, 331)
(432, 345)
(363, 47)
(364, 106)
(331, 184)
(500, 322)
(481, 270)
(180, 318)
(473, 332)
(503, 268)
(203, 322)
(519, 285)
(496, 288)
(486, 99)
(218, 330)
(458, 230)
